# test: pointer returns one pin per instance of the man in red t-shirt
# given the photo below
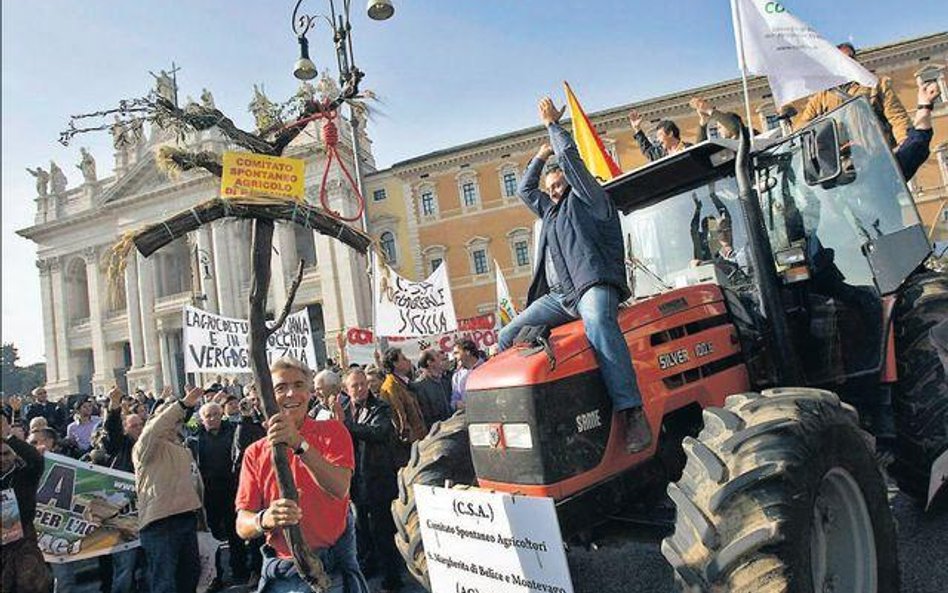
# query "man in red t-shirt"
(322, 463)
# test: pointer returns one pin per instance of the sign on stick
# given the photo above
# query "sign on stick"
(478, 541)
(249, 174)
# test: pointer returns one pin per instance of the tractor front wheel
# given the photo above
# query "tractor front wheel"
(782, 492)
(443, 456)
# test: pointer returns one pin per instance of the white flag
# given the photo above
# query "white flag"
(796, 60)
(505, 307)
(412, 309)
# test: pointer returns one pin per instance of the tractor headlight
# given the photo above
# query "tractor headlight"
(518, 436)
(482, 434)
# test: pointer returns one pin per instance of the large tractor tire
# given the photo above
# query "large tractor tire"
(920, 401)
(782, 493)
(443, 456)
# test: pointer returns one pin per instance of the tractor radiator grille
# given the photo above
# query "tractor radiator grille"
(692, 375)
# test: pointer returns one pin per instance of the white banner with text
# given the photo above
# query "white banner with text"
(482, 542)
(220, 344)
(413, 309)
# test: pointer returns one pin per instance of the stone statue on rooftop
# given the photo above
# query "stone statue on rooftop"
(57, 178)
(87, 166)
(42, 181)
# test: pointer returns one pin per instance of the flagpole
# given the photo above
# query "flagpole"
(736, 10)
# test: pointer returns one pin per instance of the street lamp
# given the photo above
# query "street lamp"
(349, 74)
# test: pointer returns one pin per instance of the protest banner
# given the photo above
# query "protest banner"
(248, 174)
(412, 309)
(477, 540)
(360, 342)
(84, 510)
(219, 344)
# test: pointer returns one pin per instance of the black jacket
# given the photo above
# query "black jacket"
(117, 444)
(213, 454)
(247, 432)
(434, 398)
(53, 412)
(373, 437)
(25, 481)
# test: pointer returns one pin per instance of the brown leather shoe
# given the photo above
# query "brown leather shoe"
(638, 434)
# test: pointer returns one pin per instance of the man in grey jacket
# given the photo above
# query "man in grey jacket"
(580, 273)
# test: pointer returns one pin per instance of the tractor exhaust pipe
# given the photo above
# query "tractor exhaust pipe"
(765, 273)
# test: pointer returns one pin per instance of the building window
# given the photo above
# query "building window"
(510, 184)
(519, 241)
(467, 188)
(479, 257)
(522, 253)
(427, 204)
(387, 243)
(470, 196)
(378, 195)
(433, 257)
(479, 254)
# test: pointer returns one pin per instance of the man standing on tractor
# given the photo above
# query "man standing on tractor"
(580, 273)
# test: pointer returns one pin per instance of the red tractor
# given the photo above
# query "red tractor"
(798, 295)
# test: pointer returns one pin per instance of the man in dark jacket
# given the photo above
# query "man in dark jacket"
(373, 484)
(247, 432)
(580, 272)
(21, 467)
(433, 389)
(212, 447)
(53, 412)
(666, 133)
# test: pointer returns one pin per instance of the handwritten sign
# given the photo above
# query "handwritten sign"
(413, 309)
(360, 343)
(248, 174)
(479, 542)
(220, 344)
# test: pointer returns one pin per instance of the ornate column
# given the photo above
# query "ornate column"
(283, 268)
(49, 318)
(67, 382)
(224, 270)
(102, 375)
(146, 286)
(133, 308)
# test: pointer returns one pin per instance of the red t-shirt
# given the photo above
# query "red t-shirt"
(324, 517)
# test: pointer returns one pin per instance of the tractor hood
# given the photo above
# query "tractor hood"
(570, 352)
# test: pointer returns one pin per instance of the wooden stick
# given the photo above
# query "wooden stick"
(309, 566)
(290, 297)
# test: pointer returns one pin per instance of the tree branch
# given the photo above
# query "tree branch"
(290, 297)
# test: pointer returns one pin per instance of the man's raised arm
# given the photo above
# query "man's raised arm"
(577, 175)
(529, 190)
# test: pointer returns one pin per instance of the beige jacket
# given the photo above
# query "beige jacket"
(163, 469)
(882, 97)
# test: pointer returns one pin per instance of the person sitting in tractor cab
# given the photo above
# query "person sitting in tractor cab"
(580, 273)
(713, 240)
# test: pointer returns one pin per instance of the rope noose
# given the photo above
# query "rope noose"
(330, 136)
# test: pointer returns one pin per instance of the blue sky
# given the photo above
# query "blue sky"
(447, 72)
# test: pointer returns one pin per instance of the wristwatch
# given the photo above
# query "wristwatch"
(927, 106)
(303, 448)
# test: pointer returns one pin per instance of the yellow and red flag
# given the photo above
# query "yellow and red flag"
(594, 154)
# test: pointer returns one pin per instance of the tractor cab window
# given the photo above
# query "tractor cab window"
(832, 223)
(696, 236)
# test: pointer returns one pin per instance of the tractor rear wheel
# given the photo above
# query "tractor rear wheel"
(782, 492)
(443, 456)
(920, 401)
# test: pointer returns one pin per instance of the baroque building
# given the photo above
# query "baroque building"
(99, 333)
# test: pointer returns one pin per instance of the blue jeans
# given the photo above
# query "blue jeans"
(64, 576)
(599, 310)
(123, 570)
(340, 562)
(171, 552)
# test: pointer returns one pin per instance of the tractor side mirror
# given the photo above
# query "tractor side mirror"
(821, 158)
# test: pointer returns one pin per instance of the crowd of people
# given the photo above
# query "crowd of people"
(202, 462)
